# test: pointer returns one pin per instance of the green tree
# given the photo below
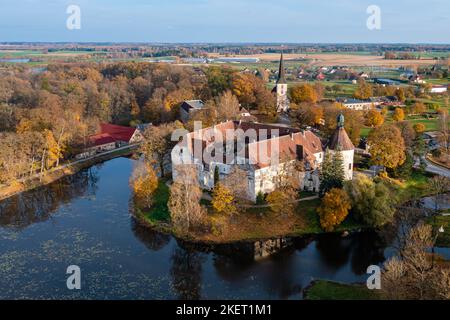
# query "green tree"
(373, 203)
(332, 174)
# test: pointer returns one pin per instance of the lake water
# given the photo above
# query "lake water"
(16, 60)
(85, 220)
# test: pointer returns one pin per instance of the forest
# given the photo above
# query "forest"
(46, 116)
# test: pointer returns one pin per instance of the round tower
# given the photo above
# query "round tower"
(340, 142)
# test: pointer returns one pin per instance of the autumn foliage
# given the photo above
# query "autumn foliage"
(223, 199)
(143, 182)
(374, 118)
(333, 209)
(387, 146)
(399, 115)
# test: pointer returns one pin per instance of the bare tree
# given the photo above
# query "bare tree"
(185, 193)
(237, 182)
(438, 185)
(227, 106)
(412, 275)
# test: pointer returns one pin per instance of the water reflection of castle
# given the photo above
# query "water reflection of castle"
(283, 275)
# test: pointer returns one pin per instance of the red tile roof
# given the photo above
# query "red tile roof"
(100, 139)
(118, 133)
(340, 141)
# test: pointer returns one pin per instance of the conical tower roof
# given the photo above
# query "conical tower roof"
(340, 140)
(281, 79)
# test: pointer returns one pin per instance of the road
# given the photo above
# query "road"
(431, 167)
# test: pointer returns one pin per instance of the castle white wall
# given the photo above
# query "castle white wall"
(347, 157)
(282, 100)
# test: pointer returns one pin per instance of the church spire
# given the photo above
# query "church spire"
(281, 79)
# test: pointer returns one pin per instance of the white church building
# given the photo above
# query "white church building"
(281, 88)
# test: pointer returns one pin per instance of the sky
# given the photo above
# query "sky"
(226, 21)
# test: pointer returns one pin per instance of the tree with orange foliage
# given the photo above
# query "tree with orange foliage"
(303, 93)
(364, 90)
(399, 115)
(387, 146)
(243, 88)
(419, 127)
(374, 118)
(333, 209)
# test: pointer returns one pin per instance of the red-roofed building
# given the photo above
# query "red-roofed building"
(111, 136)
(264, 151)
(121, 134)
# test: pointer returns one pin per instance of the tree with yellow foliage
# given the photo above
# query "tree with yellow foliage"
(398, 115)
(54, 149)
(333, 209)
(282, 200)
(144, 183)
(364, 90)
(243, 88)
(419, 127)
(374, 118)
(223, 199)
(303, 93)
(387, 146)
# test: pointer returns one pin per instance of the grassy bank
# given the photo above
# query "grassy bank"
(251, 223)
(328, 290)
(260, 222)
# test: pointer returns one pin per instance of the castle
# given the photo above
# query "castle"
(290, 145)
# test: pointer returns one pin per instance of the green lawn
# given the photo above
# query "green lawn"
(309, 210)
(438, 81)
(159, 210)
(328, 290)
(365, 132)
(430, 125)
(18, 54)
(414, 187)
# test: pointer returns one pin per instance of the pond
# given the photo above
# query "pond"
(85, 220)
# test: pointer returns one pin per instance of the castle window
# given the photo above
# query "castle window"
(349, 166)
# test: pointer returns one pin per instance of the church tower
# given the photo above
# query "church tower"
(340, 142)
(281, 88)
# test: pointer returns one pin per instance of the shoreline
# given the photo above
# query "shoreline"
(166, 228)
(56, 174)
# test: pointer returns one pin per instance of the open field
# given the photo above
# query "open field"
(344, 59)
